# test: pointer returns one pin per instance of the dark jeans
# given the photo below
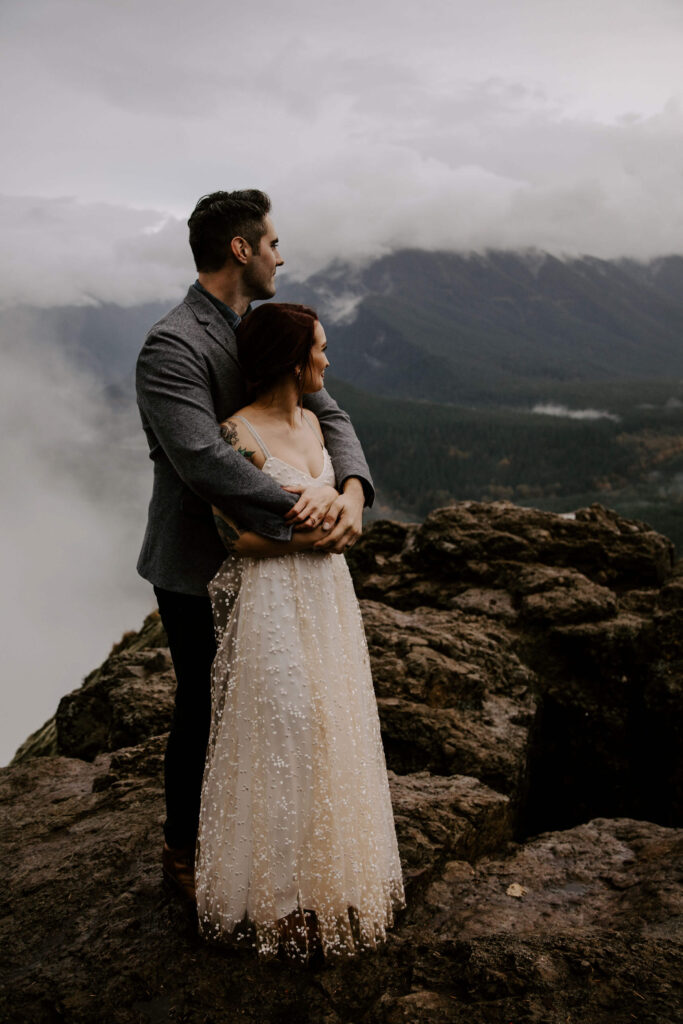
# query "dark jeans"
(188, 622)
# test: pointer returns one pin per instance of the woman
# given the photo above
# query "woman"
(296, 847)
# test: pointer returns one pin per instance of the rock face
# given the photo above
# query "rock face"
(528, 673)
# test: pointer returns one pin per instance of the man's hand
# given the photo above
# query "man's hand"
(344, 518)
(313, 505)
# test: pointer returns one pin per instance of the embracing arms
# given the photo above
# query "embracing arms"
(182, 375)
(239, 541)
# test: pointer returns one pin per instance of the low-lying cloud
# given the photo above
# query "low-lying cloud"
(554, 409)
(622, 197)
(59, 252)
(75, 487)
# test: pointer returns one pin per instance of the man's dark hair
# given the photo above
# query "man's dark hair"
(272, 341)
(220, 217)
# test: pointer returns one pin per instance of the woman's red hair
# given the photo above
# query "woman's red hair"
(273, 341)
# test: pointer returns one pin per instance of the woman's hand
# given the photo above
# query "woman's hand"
(343, 524)
(312, 507)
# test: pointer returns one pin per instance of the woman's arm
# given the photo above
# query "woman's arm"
(246, 543)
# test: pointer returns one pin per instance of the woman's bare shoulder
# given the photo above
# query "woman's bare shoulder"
(314, 421)
(236, 433)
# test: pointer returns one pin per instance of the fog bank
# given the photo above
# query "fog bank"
(75, 489)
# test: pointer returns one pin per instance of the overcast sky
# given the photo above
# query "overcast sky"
(374, 125)
(457, 124)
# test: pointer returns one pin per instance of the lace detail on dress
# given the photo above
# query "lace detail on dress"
(295, 801)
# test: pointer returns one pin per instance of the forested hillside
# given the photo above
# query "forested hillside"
(424, 455)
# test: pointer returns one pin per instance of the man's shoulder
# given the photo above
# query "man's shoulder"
(177, 320)
(177, 338)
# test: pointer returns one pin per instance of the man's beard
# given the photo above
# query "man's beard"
(257, 286)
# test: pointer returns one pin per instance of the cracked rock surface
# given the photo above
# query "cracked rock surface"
(528, 671)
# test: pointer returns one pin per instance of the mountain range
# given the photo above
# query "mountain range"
(493, 328)
(499, 328)
(515, 375)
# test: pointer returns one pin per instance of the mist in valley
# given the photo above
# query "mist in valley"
(76, 480)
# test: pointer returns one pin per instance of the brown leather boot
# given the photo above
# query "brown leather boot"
(178, 868)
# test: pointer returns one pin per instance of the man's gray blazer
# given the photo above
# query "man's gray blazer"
(188, 381)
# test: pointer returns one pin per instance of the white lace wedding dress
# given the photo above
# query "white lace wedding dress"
(295, 806)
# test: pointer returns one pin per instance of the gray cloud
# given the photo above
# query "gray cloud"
(519, 179)
(150, 105)
(459, 126)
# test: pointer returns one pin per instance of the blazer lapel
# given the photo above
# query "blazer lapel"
(212, 321)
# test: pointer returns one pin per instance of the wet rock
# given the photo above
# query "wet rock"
(494, 603)
(439, 818)
(589, 938)
(490, 743)
(606, 548)
(90, 934)
(585, 605)
(126, 700)
(594, 874)
(549, 596)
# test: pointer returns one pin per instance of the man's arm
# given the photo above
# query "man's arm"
(342, 443)
(174, 396)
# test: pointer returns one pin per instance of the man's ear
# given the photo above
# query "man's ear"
(240, 249)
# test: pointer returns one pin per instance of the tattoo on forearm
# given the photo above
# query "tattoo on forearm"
(227, 532)
(229, 434)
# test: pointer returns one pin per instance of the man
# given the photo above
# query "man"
(188, 381)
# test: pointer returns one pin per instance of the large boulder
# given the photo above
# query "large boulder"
(564, 631)
(528, 672)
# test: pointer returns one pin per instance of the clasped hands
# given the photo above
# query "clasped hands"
(338, 517)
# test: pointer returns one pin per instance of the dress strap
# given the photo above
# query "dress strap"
(321, 443)
(254, 433)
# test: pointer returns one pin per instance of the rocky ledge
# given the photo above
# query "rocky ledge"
(528, 672)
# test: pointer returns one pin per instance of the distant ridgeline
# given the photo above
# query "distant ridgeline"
(550, 382)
